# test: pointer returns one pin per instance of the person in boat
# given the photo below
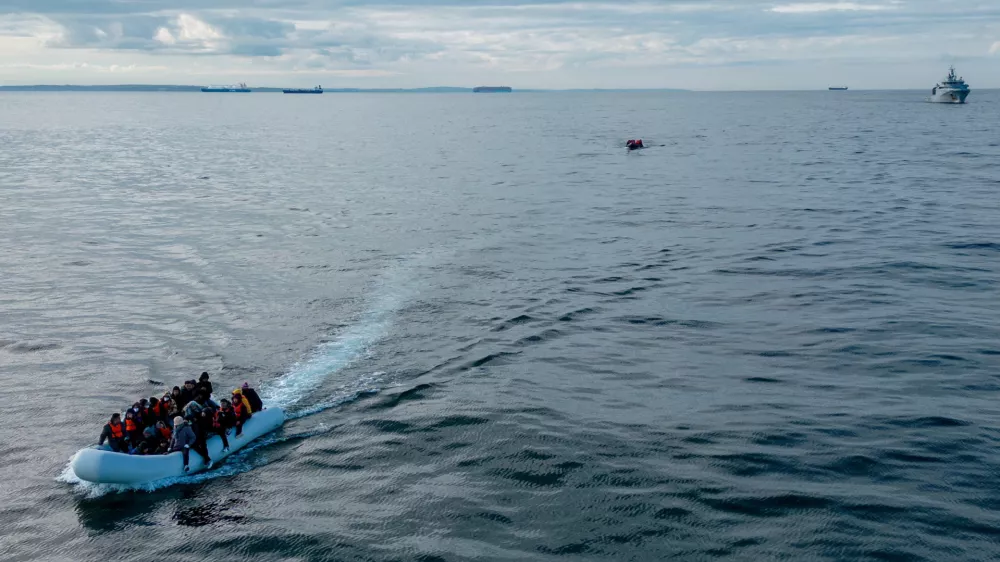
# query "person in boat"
(149, 442)
(191, 410)
(145, 416)
(165, 435)
(204, 383)
(188, 393)
(242, 409)
(205, 399)
(172, 409)
(133, 431)
(114, 434)
(225, 419)
(175, 395)
(204, 426)
(256, 404)
(184, 439)
(134, 410)
(161, 409)
(155, 413)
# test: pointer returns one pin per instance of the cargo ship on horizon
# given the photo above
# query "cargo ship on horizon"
(492, 89)
(240, 88)
(316, 90)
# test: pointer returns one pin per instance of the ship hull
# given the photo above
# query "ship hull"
(950, 96)
(302, 91)
(226, 90)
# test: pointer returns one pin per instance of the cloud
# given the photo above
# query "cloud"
(995, 48)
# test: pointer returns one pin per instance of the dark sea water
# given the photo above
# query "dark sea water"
(773, 335)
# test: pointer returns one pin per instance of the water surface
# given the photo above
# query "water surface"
(772, 335)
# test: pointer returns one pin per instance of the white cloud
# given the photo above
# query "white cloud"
(995, 48)
(164, 36)
(195, 31)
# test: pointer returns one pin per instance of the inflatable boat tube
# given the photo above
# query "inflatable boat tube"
(104, 466)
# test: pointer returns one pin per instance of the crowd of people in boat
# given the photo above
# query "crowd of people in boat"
(181, 420)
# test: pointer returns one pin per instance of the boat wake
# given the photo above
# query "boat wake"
(301, 382)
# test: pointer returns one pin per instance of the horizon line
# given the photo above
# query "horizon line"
(190, 88)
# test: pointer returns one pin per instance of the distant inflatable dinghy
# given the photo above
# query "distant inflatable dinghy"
(104, 466)
(634, 144)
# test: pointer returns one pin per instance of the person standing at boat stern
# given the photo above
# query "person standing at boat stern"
(183, 440)
(114, 434)
(253, 398)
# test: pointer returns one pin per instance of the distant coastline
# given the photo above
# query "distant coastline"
(181, 88)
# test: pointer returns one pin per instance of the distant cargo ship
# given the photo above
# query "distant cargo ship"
(492, 89)
(316, 90)
(239, 88)
(838, 87)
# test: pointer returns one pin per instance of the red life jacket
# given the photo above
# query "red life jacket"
(165, 432)
(116, 430)
(238, 409)
(130, 425)
(156, 410)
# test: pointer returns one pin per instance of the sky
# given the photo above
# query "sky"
(689, 44)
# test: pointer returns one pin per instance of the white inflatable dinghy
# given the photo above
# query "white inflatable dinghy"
(104, 466)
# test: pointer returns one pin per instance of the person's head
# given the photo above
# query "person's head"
(116, 417)
(189, 384)
(225, 403)
(160, 424)
(153, 401)
(246, 385)
(178, 420)
(129, 415)
(176, 391)
(143, 403)
(237, 393)
(149, 431)
(203, 377)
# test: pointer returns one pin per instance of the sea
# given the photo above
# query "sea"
(774, 334)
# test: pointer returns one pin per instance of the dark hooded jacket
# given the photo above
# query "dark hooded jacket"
(253, 398)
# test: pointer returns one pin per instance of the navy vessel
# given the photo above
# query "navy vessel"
(492, 89)
(239, 88)
(951, 90)
(838, 87)
(316, 90)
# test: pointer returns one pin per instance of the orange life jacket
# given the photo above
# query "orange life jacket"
(130, 425)
(156, 410)
(116, 430)
(165, 432)
(238, 409)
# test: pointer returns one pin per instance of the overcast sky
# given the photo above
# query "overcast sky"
(697, 44)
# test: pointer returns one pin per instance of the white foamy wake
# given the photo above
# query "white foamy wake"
(299, 384)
